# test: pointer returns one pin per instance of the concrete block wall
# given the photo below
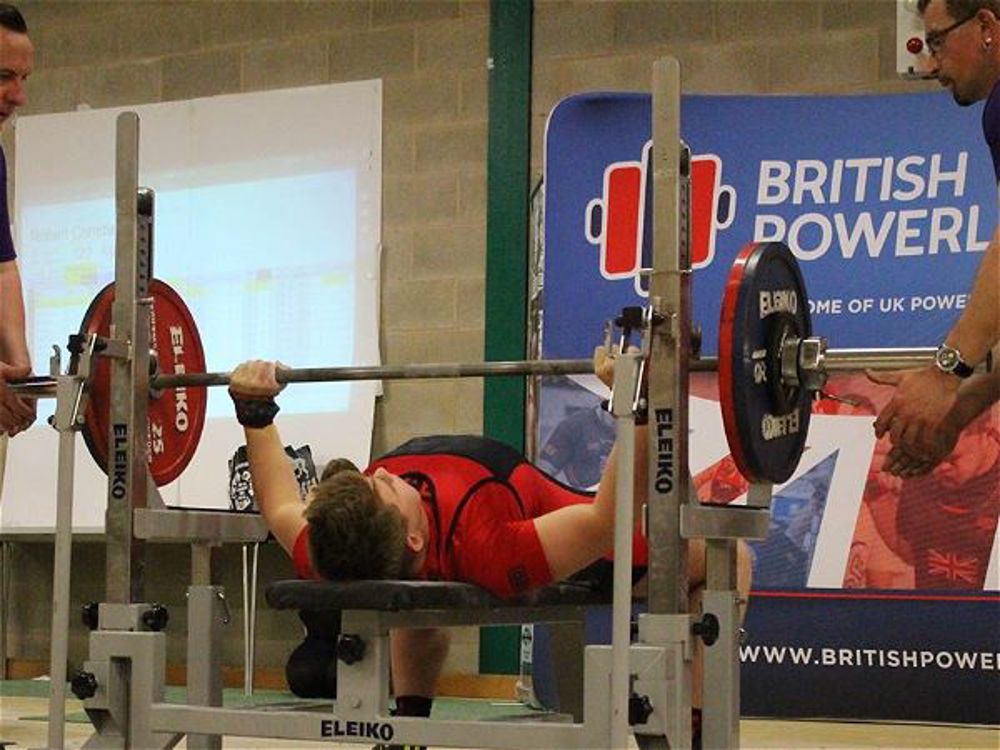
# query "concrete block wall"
(724, 47)
(431, 55)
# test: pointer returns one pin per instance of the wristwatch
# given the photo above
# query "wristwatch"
(949, 359)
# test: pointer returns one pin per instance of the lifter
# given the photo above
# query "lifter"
(463, 508)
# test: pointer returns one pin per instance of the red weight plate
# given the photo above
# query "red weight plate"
(176, 415)
(766, 434)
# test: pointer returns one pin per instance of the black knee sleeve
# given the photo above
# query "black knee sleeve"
(311, 670)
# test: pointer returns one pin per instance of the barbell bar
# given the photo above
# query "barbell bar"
(834, 360)
(842, 360)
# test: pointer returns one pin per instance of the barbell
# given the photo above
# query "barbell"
(769, 366)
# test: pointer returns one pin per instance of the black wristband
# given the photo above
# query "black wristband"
(255, 412)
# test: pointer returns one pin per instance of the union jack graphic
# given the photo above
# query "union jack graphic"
(953, 567)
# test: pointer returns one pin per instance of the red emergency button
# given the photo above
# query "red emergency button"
(914, 45)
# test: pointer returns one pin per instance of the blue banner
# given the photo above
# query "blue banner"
(883, 656)
(908, 658)
(888, 203)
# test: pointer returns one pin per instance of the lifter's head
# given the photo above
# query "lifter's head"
(963, 39)
(17, 58)
(337, 465)
(365, 527)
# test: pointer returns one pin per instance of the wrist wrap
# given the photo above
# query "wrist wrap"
(254, 412)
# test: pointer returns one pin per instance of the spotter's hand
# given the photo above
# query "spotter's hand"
(16, 413)
(918, 409)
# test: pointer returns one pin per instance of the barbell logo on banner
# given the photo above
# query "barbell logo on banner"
(616, 221)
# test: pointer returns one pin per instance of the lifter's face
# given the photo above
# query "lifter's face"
(395, 491)
(965, 60)
(17, 58)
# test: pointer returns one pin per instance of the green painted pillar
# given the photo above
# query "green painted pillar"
(507, 222)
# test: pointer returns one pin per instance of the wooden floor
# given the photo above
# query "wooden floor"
(20, 723)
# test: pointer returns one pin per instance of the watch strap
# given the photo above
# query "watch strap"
(962, 369)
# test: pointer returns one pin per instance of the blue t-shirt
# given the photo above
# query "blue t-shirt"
(6, 241)
(991, 126)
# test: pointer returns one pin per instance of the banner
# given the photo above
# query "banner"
(888, 203)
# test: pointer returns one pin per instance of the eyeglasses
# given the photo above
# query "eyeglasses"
(935, 39)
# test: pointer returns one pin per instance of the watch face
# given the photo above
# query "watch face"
(947, 358)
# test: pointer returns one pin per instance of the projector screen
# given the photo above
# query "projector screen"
(267, 222)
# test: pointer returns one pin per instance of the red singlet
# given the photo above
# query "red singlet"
(480, 497)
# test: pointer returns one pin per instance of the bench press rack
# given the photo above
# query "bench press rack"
(123, 683)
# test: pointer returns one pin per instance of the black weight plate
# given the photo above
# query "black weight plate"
(766, 434)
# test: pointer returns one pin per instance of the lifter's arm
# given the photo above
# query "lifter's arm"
(575, 536)
(274, 483)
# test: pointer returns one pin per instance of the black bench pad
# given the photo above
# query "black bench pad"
(394, 596)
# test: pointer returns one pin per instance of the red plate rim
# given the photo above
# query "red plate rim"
(727, 319)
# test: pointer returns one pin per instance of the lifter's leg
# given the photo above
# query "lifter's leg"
(418, 656)
(696, 574)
